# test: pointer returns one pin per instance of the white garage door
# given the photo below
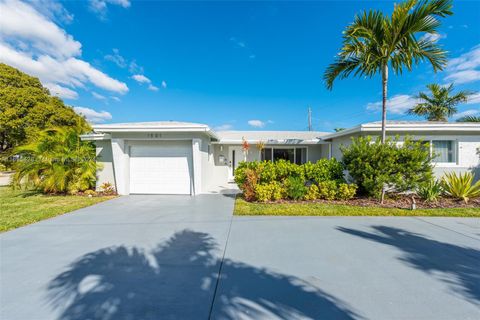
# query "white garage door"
(161, 168)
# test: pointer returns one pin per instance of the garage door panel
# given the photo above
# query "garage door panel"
(161, 168)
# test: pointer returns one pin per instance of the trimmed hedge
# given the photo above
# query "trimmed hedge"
(270, 181)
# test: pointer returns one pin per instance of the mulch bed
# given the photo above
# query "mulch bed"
(401, 202)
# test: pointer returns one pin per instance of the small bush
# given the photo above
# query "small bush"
(90, 193)
(346, 191)
(107, 188)
(295, 188)
(312, 193)
(400, 165)
(269, 191)
(460, 186)
(430, 191)
(249, 185)
(327, 190)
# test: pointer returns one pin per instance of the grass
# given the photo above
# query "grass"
(19, 207)
(244, 208)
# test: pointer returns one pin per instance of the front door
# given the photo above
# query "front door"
(235, 157)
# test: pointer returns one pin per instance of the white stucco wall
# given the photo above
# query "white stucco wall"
(105, 160)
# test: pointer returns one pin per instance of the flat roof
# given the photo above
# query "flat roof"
(272, 137)
(407, 126)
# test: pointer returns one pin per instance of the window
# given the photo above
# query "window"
(294, 155)
(443, 151)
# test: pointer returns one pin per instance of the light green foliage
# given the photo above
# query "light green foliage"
(312, 193)
(269, 191)
(90, 192)
(461, 186)
(295, 187)
(26, 108)
(324, 170)
(372, 164)
(57, 161)
(430, 191)
(346, 191)
(440, 104)
(327, 190)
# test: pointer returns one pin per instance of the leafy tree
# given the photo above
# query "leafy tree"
(440, 104)
(375, 42)
(27, 107)
(469, 119)
(57, 161)
(401, 166)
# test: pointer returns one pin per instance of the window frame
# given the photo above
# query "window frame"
(272, 152)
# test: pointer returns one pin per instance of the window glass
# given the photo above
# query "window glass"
(267, 154)
(443, 151)
(286, 154)
(301, 155)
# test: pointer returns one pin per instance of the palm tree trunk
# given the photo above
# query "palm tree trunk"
(384, 101)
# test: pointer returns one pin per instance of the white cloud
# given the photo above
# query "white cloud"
(398, 104)
(100, 6)
(164, 84)
(21, 21)
(465, 68)
(223, 127)
(433, 36)
(92, 115)
(140, 78)
(98, 96)
(53, 10)
(464, 76)
(471, 112)
(62, 92)
(474, 98)
(256, 123)
(115, 98)
(34, 44)
(151, 87)
(116, 58)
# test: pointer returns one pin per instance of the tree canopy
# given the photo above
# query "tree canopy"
(26, 107)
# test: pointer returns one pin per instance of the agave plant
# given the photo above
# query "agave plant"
(461, 186)
(430, 191)
(57, 161)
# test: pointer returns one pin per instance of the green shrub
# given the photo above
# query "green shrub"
(295, 188)
(372, 165)
(324, 170)
(312, 193)
(327, 190)
(460, 186)
(269, 191)
(56, 161)
(430, 191)
(346, 191)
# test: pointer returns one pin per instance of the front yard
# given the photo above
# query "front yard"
(244, 208)
(19, 207)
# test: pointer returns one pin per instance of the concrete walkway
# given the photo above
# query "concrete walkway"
(176, 257)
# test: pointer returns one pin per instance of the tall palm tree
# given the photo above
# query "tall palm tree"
(375, 42)
(469, 119)
(439, 105)
(56, 161)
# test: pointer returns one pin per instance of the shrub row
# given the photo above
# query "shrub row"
(272, 181)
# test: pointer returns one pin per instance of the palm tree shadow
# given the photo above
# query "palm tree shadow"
(431, 256)
(177, 280)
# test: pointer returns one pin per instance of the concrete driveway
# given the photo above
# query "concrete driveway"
(176, 257)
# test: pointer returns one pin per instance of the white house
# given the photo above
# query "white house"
(189, 158)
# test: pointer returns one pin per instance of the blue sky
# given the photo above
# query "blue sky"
(232, 65)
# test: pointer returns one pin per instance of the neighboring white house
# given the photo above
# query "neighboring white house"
(188, 158)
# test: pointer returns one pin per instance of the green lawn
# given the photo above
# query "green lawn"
(243, 208)
(19, 208)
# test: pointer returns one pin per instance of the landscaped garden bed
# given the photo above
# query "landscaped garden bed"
(374, 178)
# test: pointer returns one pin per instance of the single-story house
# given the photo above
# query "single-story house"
(189, 158)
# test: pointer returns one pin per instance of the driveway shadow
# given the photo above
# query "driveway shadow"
(177, 280)
(431, 256)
